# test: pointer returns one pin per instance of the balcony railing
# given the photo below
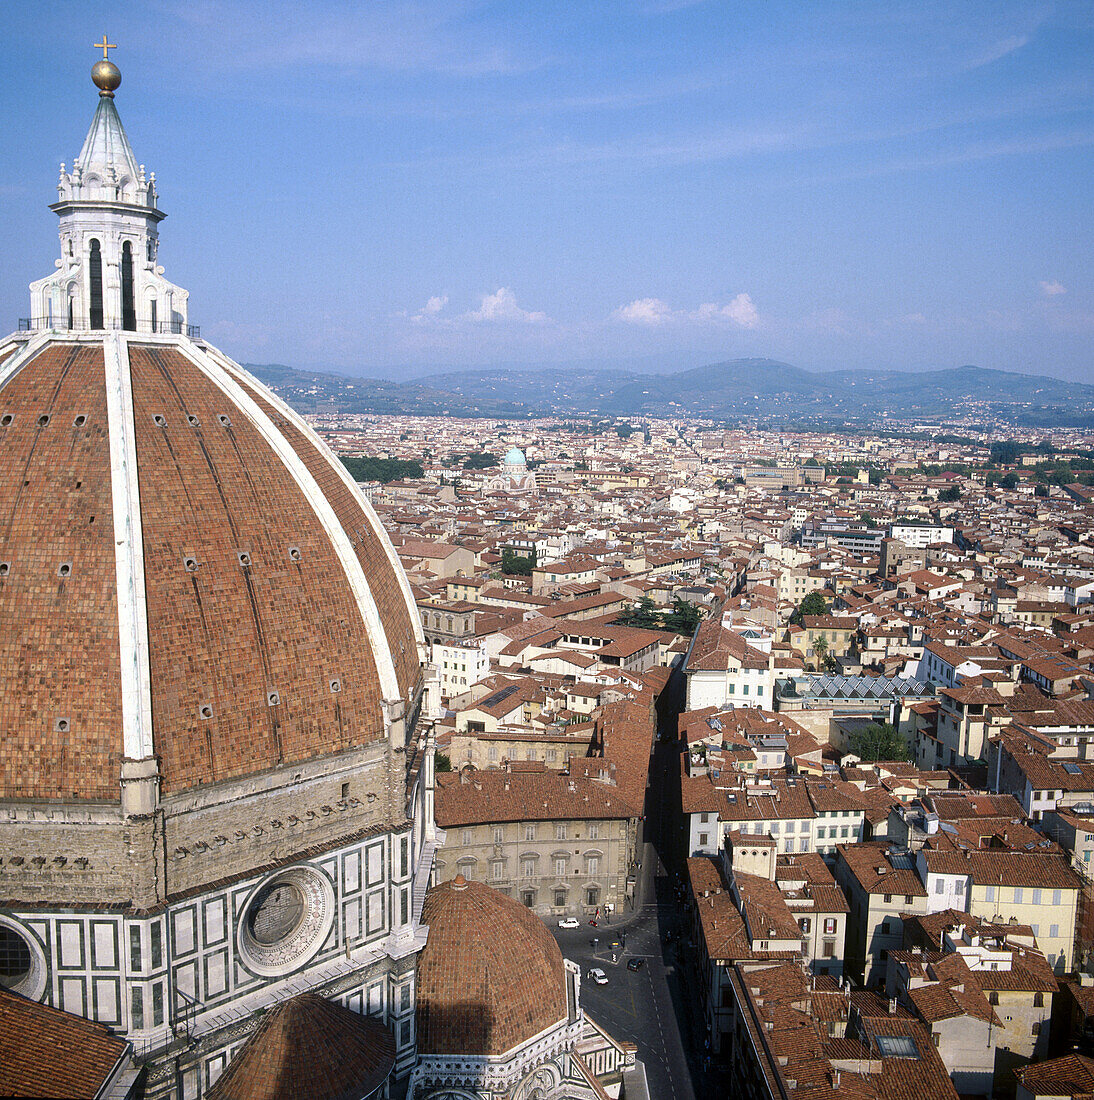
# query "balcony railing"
(46, 324)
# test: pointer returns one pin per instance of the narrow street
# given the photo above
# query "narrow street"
(654, 1006)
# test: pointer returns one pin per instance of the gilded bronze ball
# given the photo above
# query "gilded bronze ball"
(106, 76)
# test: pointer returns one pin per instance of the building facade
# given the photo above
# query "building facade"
(558, 844)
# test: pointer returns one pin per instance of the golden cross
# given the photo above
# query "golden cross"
(105, 46)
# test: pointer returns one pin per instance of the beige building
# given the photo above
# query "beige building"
(551, 746)
(447, 621)
(1038, 889)
(558, 844)
(882, 888)
(514, 704)
(959, 972)
(835, 631)
(793, 585)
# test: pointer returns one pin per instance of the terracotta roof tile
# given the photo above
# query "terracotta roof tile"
(31, 1037)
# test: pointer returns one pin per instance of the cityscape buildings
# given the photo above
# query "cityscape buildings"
(578, 757)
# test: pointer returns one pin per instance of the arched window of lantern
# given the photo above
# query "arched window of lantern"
(129, 308)
(95, 280)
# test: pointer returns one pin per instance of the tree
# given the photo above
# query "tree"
(1004, 452)
(643, 614)
(383, 469)
(813, 604)
(950, 495)
(683, 618)
(480, 461)
(820, 650)
(517, 565)
(442, 762)
(879, 741)
(1009, 481)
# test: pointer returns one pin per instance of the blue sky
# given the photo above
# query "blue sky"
(389, 187)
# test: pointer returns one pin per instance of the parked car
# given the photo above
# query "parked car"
(569, 922)
(635, 964)
(598, 976)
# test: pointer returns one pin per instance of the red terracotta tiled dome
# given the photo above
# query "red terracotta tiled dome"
(490, 976)
(186, 572)
(309, 1047)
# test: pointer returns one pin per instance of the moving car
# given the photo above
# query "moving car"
(598, 976)
(569, 922)
(635, 964)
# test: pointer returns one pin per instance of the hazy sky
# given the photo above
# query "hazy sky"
(369, 184)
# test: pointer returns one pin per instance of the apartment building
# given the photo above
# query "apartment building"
(953, 962)
(560, 844)
(882, 890)
(459, 664)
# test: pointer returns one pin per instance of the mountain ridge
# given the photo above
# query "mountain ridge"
(765, 389)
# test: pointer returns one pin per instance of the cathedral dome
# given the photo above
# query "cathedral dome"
(215, 791)
(514, 457)
(188, 575)
(186, 572)
(490, 976)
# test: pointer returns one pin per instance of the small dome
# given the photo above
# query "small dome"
(309, 1046)
(490, 975)
(514, 457)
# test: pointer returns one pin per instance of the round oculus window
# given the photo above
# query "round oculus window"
(276, 913)
(22, 964)
(286, 921)
(15, 958)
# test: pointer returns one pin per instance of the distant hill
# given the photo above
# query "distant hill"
(740, 388)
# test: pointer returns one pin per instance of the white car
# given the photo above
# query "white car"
(569, 922)
(598, 976)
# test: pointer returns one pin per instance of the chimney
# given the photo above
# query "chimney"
(892, 1006)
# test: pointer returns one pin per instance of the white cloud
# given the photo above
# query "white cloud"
(644, 311)
(501, 307)
(740, 311)
(430, 311)
(1050, 288)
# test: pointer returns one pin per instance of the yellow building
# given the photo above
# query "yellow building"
(1038, 889)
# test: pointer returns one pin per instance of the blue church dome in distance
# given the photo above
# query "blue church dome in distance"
(514, 457)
